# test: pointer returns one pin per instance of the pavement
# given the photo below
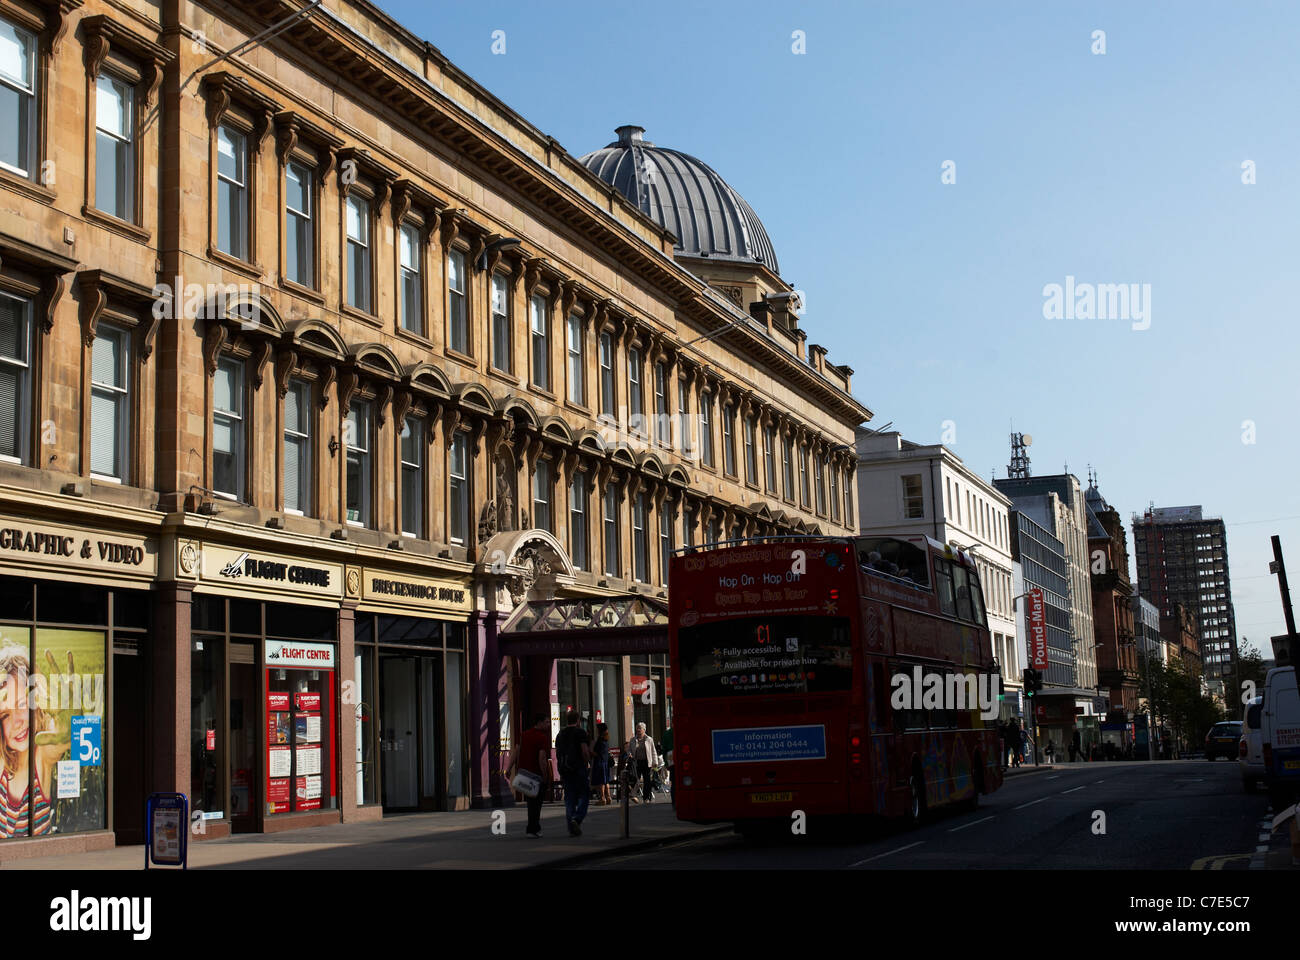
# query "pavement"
(465, 840)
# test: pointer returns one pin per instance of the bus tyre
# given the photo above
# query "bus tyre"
(916, 810)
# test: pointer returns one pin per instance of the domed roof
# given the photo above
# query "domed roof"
(686, 196)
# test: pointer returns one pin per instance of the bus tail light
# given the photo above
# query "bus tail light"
(686, 766)
(686, 749)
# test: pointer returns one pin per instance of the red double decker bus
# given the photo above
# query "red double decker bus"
(784, 658)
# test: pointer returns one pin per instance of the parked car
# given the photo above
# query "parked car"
(1222, 740)
(1250, 757)
(1281, 736)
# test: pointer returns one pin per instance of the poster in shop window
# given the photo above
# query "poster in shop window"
(309, 760)
(278, 762)
(52, 696)
(307, 727)
(308, 793)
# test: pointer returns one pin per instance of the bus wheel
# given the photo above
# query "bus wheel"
(916, 810)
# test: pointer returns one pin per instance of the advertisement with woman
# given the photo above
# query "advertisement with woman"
(52, 776)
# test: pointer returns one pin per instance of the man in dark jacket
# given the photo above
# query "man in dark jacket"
(573, 755)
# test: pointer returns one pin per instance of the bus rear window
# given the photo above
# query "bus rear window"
(763, 655)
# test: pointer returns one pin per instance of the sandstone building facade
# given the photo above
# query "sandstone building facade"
(319, 363)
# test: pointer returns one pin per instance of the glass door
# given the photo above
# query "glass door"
(245, 778)
(398, 744)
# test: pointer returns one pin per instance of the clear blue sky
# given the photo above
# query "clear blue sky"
(1117, 168)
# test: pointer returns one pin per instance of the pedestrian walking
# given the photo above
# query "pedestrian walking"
(1076, 749)
(573, 754)
(641, 749)
(1004, 732)
(534, 756)
(600, 760)
(666, 746)
(1022, 747)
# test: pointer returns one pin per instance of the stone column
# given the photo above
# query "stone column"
(171, 682)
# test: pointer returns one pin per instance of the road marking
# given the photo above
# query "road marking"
(1053, 777)
(973, 823)
(1100, 781)
(1031, 803)
(1063, 792)
(1217, 862)
(886, 854)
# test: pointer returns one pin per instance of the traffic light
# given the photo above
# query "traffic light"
(1033, 680)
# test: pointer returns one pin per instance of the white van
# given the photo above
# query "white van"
(1281, 734)
(1251, 756)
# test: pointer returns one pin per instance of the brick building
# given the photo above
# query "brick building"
(1112, 607)
(319, 364)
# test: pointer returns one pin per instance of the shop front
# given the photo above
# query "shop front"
(264, 725)
(412, 744)
(75, 631)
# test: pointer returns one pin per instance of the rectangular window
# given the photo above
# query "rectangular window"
(803, 476)
(501, 322)
(635, 399)
(835, 491)
(458, 491)
(409, 261)
(110, 416)
(684, 418)
(663, 425)
(17, 99)
(360, 467)
(578, 521)
(611, 531)
(607, 375)
(848, 499)
(688, 526)
(115, 147)
(769, 457)
(751, 452)
(228, 429)
(300, 239)
(542, 495)
(788, 467)
(232, 193)
(297, 448)
(665, 541)
(358, 216)
(819, 480)
(541, 343)
(706, 429)
(15, 374)
(728, 440)
(640, 544)
(457, 310)
(577, 382)
(413, 476)
(714, 532)
(913, 502)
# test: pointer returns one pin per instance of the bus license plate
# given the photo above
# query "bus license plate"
(771, 797)
(1291, 765)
